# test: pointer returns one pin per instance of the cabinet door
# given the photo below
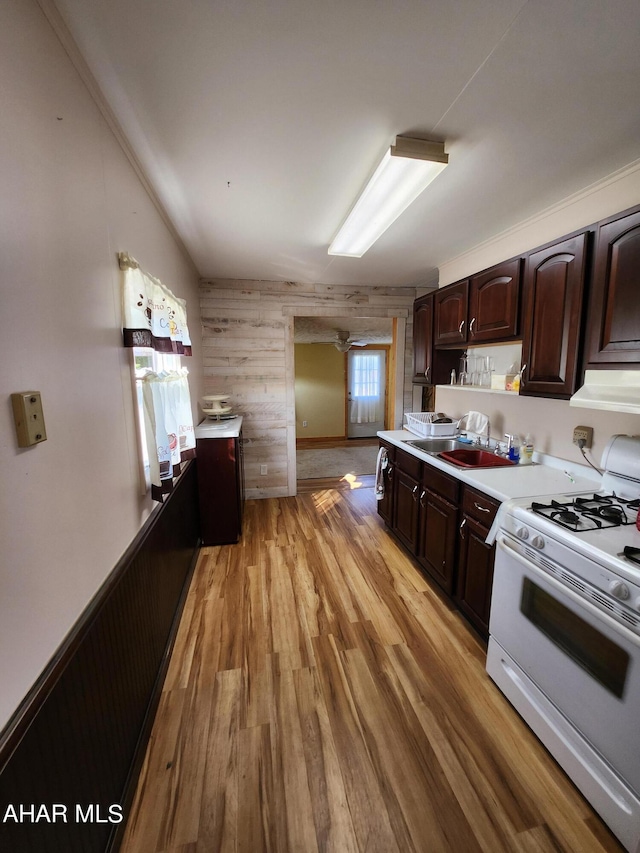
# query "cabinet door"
(553, 292)
(450, 321)
(494, 299)
(614, 309)
(405, 508)
(437, 542)
(220, 490)
(385, 504)
(475, 574)
(422, 339)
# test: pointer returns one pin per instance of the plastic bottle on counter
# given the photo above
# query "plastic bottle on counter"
(526, 452)
(514, 449)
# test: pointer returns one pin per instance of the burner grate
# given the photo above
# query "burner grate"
(589, 513)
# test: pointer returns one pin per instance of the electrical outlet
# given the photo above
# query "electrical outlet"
(583, 433)
(263, 470)
(28, 417)
(305, 423)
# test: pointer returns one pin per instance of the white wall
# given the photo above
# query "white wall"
(550, 422)
(70, 201)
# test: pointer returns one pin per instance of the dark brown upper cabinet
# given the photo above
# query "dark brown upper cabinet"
(450, 321)
(494, 301)
(423, 338)
(614, 306)
(554, 282)
(430, 367)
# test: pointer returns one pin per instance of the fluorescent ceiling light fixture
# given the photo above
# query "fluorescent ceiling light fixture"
(406, 170)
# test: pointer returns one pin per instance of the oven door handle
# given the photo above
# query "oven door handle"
(503, 543)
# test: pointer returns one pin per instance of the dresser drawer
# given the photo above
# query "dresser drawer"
(443, 484)
(411, 465)
(479, 506)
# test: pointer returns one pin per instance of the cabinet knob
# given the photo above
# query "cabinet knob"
(424, 492)
(471, 326)
(462, 524)
(461, 326)
(414, 492)
(481, 508)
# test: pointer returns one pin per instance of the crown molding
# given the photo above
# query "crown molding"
(70, 46)
(595, 202)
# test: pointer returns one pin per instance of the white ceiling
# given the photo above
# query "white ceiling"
(317, 330)
(258, 123)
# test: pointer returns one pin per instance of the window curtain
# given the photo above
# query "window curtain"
(168, 427)
(155, 318)
(366, 388)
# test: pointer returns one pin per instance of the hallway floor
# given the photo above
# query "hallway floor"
(323, 696)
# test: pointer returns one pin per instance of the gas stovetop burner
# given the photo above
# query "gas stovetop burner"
(589, 513)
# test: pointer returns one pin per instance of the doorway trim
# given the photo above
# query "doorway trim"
(396, 375)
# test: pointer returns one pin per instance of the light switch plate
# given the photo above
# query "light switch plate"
(28, 417)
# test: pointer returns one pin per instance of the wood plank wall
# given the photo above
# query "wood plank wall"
(80, 736)
(248, 354)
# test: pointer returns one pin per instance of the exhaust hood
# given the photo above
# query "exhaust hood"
(611, 390)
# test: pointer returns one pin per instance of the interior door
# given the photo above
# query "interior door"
(366, 391)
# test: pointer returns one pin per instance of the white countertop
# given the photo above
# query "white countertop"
(219, 429)
(551, 476)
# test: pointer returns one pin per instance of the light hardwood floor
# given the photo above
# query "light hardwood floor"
(322, 696)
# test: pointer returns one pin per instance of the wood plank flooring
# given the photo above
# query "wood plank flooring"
(322, 696)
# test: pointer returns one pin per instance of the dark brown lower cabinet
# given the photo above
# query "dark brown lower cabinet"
(220, 489)
(475, 558)
(438, 533)
(445, 534)
(385, 504)
(406, 489)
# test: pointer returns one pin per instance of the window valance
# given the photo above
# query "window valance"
(153, 316)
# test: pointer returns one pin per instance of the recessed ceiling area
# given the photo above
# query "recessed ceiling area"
(258, 124)
(322, 330)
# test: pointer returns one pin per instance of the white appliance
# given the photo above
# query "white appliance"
(564, 628)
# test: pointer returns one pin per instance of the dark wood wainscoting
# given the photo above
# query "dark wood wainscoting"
(79, 738)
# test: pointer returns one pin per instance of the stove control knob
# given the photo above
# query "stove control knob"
(522, 533)
(619, 590)
(538, 542)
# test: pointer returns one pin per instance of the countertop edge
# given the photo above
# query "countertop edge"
(579, 478)
(222, 429)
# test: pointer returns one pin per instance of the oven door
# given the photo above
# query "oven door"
(581, 659)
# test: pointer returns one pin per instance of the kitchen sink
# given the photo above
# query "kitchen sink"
(473, 458)
(434, 445)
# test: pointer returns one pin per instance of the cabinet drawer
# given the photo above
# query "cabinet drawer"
(411, 465)
(441, 483)
(479, 506)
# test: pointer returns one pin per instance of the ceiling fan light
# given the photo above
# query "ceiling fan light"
(342, 346)
(406, 169)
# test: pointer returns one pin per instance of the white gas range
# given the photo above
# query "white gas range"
(564, 641)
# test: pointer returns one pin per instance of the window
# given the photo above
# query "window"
(146, 361)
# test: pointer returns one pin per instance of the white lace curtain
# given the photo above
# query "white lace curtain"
(366, 388)
(154, 318)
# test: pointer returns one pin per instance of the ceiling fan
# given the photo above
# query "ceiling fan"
(342, 342)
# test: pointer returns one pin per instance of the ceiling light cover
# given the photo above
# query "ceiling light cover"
(407, 168)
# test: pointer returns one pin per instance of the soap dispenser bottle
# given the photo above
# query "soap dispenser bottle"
(526, 455)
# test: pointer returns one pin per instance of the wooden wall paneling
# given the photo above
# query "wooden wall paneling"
(247, 331)
(80, 736)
